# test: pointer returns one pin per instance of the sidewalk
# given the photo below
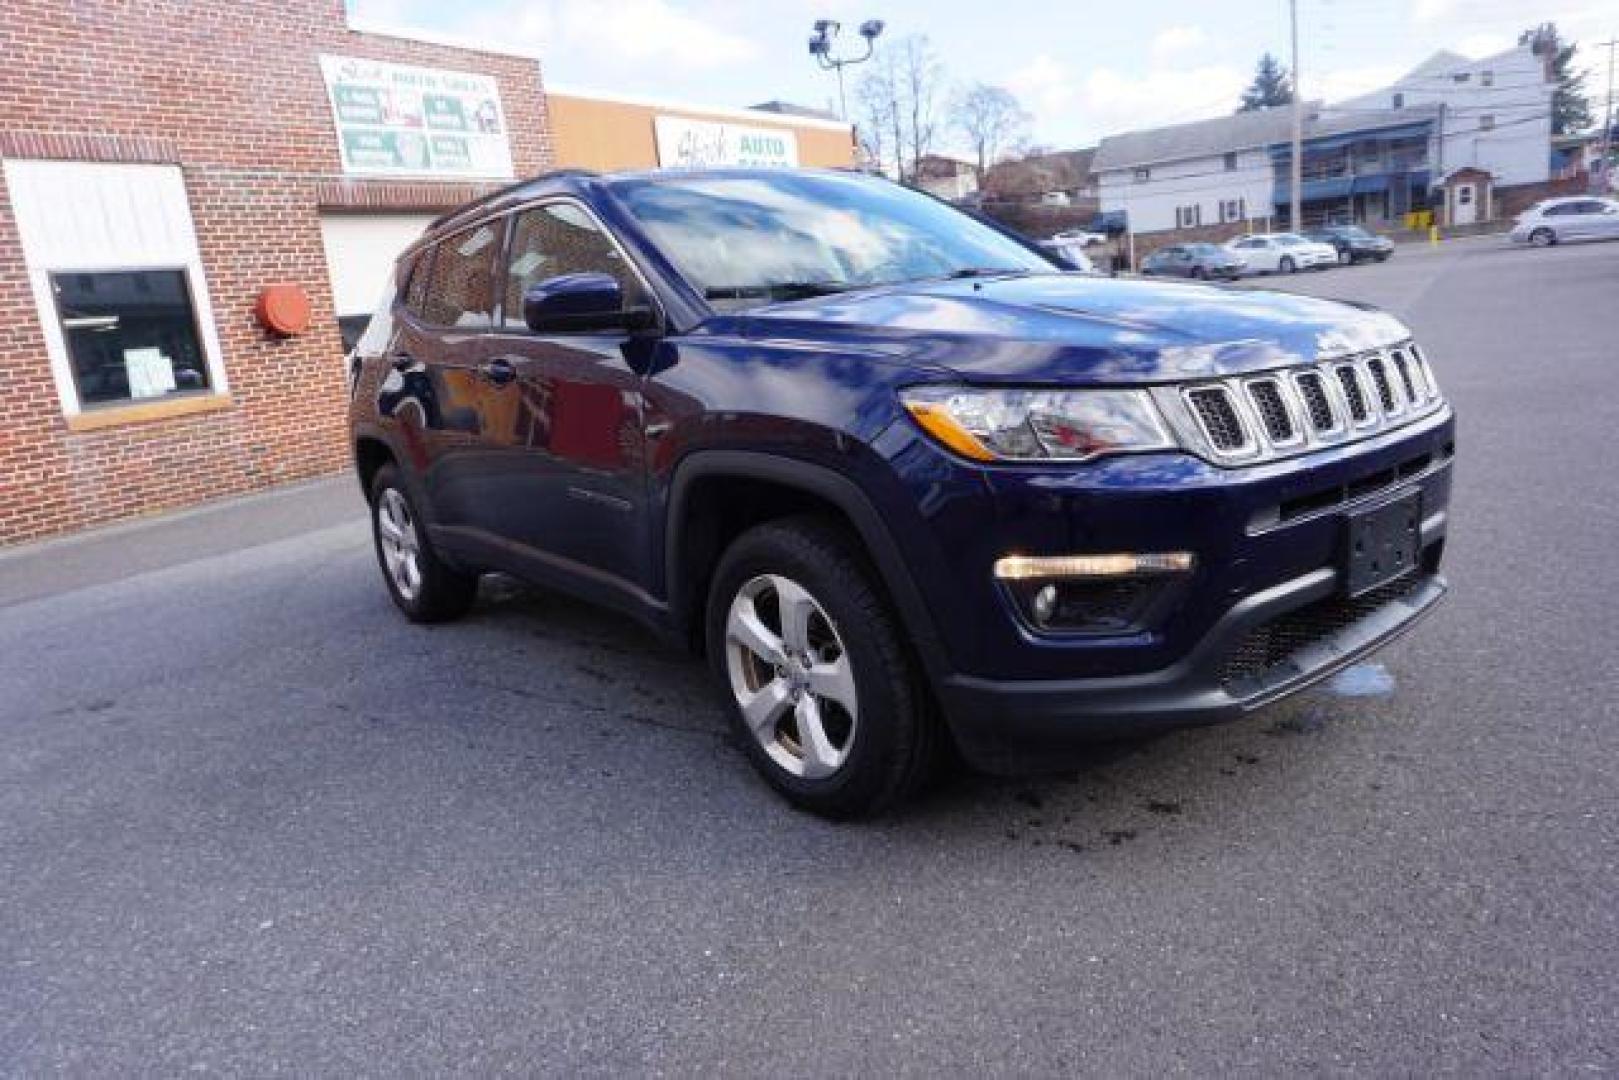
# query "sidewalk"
(47, 567)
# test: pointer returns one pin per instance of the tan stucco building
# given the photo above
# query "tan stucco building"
(592, 130)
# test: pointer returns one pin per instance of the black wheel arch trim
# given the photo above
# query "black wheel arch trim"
(822, 482)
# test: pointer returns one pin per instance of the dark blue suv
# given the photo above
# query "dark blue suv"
(906, 483)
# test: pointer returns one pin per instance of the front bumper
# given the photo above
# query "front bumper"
(1270, 542)
(1021, 726)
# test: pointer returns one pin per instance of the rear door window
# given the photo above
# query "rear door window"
(458, 290)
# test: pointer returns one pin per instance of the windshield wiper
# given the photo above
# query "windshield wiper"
(986, 271)
(777, 290)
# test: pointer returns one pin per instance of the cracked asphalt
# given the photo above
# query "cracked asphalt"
(253, 822)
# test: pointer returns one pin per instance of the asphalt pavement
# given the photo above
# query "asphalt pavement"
(253, 822)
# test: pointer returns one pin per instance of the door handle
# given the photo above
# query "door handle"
(498, 371)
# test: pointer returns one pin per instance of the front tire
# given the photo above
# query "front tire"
(821, 690)
(422, 585)
(1542, 238)
(1286, 266)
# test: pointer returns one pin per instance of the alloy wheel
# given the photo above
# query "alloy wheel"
(791, 676)
(401, 545)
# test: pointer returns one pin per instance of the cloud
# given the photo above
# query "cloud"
(1173, 42)
(1070, 106)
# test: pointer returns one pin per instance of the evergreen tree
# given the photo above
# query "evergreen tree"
(1272, 85)
(1571, 111)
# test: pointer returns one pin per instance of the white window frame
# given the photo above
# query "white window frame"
(1189, 216)
(1142, 174)
(59, 237)
(1232, 210)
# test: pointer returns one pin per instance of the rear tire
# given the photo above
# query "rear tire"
(1198, 273)
(1542, 238)
(424, 587)
(821, 690)
(1286, 266)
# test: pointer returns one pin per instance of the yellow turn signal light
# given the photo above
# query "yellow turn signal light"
(937, 421)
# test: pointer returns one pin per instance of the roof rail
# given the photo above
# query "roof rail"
(484, 200)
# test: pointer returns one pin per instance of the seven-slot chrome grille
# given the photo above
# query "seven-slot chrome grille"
(1258, 416)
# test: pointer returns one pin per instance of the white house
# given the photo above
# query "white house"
(1207, 172)
(1494, 113)
(1369, 159)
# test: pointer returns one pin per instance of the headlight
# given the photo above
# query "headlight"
(1038, 425)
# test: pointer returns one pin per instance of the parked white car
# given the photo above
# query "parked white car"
(1282, 253)
(1552, 221)
(1082, 237)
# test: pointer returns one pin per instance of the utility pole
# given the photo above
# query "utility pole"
(1296, 218)
(1608, 119)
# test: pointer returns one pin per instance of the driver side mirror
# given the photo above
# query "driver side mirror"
(581, 302)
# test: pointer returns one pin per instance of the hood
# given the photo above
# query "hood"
(1073, 329)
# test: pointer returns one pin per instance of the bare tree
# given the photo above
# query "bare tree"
(991, 120)
(899, 106)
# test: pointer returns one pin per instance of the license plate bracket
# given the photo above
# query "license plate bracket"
(1383, 543)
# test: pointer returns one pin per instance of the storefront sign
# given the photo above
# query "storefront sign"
(394, 120)
(694, 144)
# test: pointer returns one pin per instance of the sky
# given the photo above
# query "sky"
(1082, 69)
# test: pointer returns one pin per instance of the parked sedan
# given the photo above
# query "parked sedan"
(1552, 221)
(1282, 253)
(1194, 261)
(1353, 243)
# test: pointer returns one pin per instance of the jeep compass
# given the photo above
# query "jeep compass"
(904, 482)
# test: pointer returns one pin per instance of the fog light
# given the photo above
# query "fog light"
(1094, 594)
(1044, 605)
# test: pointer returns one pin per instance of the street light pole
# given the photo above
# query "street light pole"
(1295, 216)
(820, 47)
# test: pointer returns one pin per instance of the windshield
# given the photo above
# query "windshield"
(1290, 240)
(746, 239)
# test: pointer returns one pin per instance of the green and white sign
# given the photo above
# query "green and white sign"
(397, 120)
(693, 144)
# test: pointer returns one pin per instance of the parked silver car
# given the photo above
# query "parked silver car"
(1576, 218)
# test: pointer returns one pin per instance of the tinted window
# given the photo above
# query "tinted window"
(1561, 209)
(560, 238)
(458, 287)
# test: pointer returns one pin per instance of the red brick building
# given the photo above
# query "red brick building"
(164, 162)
